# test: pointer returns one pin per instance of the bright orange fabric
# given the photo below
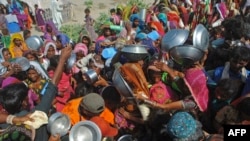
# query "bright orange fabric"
(71, 109)
(29, 20)
(17, 51)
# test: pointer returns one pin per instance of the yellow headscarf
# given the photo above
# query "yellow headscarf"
(17, 53)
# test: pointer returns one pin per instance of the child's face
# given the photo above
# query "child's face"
(6, 55)
(79, 55)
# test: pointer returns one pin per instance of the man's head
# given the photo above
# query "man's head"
(240, 57)
(91, 105)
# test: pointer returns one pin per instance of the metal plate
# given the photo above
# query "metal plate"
(201, 37)
(121, 85)
(136, 49)
(23, 62)
(174, 37)
(59, 124)
(3, 69)
(71, 61)
(34, 42)
(85, 131)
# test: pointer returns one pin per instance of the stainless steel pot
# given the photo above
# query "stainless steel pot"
(126, 137)
(134, 52)
(122, 86)
(71, 61)
(3, 69)
(186, 54)
(34, 42)
(91, 76)
(174, 37)
(59, 124)
(85, 131)
(201, 37)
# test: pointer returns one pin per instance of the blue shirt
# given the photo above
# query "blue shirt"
(218, 74)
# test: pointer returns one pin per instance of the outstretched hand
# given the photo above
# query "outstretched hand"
(22, 119)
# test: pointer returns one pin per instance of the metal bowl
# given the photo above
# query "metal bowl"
(91, 76)
(85, 131)
(34, 42)
(59, 124)
(71, 61)
(126, 137)
(134, 52)
(186, 54)
(122, 86)
(201, 37)
(174, 37)
(23, 62)
(3, 69)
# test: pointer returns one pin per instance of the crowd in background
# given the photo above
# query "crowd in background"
(176, 102)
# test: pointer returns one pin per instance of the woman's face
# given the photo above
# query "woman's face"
(18, 42)
(59, 45)
(49, 29)
(51, 52)
(136, 23)
(31, 57)
(33, 75)
(79, 55)
(6, 55)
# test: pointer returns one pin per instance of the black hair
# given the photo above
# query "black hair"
(229, 88)
(83, 89)
(240, 54)
(54, 60)
(12, 97)
(244, 107)
(25, 33)
(87, 10)
(4, 49)
(112, 10)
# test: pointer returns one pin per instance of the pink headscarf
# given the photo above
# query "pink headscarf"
(81, 47)
(9, 80)
(195, 80)
(161, 93)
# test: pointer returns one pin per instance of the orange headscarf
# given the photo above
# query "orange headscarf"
(158, 27)
(17, 51)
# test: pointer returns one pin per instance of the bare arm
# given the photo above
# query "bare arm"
(60, 67)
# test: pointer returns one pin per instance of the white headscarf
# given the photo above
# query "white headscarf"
(37, 66)
(47, 48)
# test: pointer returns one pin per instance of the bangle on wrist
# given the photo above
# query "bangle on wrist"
(9, 119)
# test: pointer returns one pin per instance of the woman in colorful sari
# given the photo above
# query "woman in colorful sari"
(26, 12)
(17, 45)
(37, 81)
(39, 17)
(16, 8)
(5, 62)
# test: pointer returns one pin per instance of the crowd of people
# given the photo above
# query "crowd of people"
(170, 100)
